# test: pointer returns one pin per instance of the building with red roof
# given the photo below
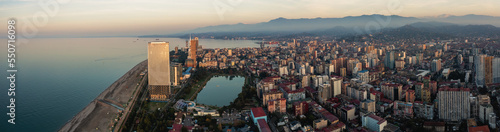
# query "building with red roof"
(266, 85)
(263, 126)
(323, 112)
(484, 128)
(300, 108)
(258, 113)
(373, 122)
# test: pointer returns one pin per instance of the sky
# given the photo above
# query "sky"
(77, 18)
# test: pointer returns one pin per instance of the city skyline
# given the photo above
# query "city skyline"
(132, 18)
(266, 66)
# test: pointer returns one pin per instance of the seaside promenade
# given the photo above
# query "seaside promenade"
(99, 115)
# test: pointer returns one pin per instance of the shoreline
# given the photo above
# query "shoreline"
(98, 116)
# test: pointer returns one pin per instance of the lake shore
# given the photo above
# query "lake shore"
(99, 116)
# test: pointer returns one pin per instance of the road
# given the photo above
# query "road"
(127, 110)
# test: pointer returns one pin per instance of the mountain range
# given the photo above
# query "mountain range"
(467, 25)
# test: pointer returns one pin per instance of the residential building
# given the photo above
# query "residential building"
(410, 95)
(392, 91)
(453, 103)
(488, 70)
(300, 108)
(324, 92)
(400, 65)
(419, 87)
(389, 59)
(436, 65)
(484, 112)
(336, 84)
(479, 64)
(347, 113)
(320, 123)
(496, 69)
(175, 73)
(403, 109)
(422, 110)
(277, 105)
(368, 105)
(272, 95)
(267, 84)
(373, 122)
(426, 95)
(364, 76)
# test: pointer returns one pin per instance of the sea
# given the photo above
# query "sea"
(57, 77)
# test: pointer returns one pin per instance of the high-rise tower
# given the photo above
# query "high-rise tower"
(159, 71)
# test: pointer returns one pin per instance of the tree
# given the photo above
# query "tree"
(263, 75)
(457, 75)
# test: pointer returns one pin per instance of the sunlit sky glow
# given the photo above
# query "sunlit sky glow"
(145, 17)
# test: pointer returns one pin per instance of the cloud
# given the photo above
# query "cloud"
(109, 16)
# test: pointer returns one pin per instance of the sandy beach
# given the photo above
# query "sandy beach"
(98, 116)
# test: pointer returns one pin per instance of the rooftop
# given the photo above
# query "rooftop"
(263, 126)
(446, 88)
(479, 129)
(379, 119)
(258, 112)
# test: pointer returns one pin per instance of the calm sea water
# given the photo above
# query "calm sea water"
(220, 91)
(58, 77)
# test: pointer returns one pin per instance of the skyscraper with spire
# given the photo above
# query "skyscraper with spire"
(193, 48)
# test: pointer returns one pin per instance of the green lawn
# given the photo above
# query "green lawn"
(155, 105)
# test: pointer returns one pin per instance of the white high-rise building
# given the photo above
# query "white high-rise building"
(453, 104)
(479, 65)
(492, 120)
(324, 92)
(302, 71)
(484, 112)
(336, 83)
(496, 70)
(159, 70)
(331, 69)
(364, 76)
(436, 65)
(175, 73)
(460, 59)
(373, 122)
(283, 70)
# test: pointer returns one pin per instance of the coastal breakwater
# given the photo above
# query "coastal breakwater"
(98, 116)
